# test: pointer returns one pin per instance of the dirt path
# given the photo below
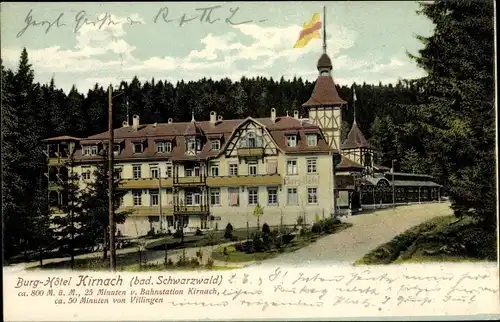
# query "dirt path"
(368, 231)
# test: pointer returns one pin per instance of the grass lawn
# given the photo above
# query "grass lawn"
(234, 256)
(441, 239)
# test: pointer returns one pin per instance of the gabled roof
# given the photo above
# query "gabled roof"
(324, 93)
(223, 129)
(355, 139)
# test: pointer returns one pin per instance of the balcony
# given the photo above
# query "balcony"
(145, 183)
(190, 210)
(190, 181)
(56, 161)
(146, 211)
(55, 186)
(258, 180)
(245, 152)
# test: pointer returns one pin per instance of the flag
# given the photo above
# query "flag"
(310, 31)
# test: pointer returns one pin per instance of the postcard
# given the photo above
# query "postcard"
(249, 161)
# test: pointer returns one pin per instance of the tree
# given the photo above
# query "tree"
(95, 203)
(68, 227)
(456, 110)
(258, 211)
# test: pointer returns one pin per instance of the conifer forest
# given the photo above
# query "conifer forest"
(442, 124)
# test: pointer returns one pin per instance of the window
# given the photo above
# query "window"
(192, 198)
(137, 195)
(138, 147)
(164, 147)
(215, 197)
(116, 149)
(311, 165)
(118, 172)
(252, 169)
(312, 195)
(154, 198)
(191, 144)
(85, 173)
(189, 197)
(272, 167)
(291, 141)
(214, 170)
(291, 167)
(234, 196)
(188, 172)
(136, 171)
(272, 196)
(253, 197)
(154, 171)
(198, 145)
(215, 144)
(292, 196)
(251, 140)
(312, 140)
(233, 169)
(90, 150)
(169, 171)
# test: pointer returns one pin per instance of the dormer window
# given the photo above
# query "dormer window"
(116, 149)
(312, 140)
(191, 144)
(215, 144)
(164, 147)
(90, 150)
(198, 145)
(138, 147)
(291, 141)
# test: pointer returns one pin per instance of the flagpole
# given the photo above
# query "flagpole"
(324, 29)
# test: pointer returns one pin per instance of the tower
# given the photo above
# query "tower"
(325, 105)
(356, 147)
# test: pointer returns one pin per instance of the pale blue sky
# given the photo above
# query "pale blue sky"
(366, 41)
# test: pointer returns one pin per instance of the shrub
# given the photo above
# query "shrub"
(287, 238)
(210, 262)
(300, 221)
(265, 229)
(229, 231)
(169, 262)
(233, 238)
(177, 234)
(198, 232)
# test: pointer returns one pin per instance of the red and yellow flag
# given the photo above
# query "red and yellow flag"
(310, 31)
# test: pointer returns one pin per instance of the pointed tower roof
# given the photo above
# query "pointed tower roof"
(324, 92)
(355, 139)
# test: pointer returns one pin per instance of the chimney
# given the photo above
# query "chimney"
(219, 118)
(125, 124)
(135, 121)
(213, 117)
(170, 121)
(296, 114)
(273, 114)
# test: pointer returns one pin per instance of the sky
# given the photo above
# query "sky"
(83, 44)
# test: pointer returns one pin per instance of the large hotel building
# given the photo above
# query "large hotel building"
(205, 174)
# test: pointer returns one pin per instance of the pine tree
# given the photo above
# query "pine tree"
(12, 187)
(68, 227)
(457, 111)
(95, 203)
